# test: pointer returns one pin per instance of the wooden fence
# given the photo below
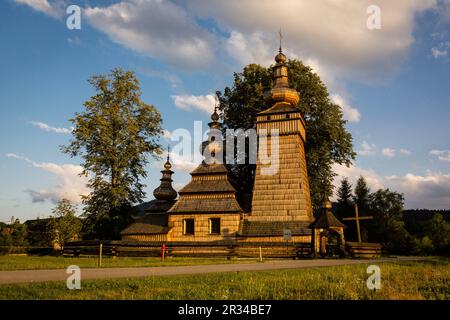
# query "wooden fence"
(189, 249)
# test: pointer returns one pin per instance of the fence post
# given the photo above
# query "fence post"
(100, 255)
(260, 254)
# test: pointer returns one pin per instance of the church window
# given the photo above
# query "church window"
(188, 226)
(214, 226)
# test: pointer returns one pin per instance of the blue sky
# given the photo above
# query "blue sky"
(393, 83)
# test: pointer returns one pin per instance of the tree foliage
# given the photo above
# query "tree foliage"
(64, 226)
(345, 205)
(362, 194)
(114, 135)
(388, 226)
(12, 235)
(327, 142)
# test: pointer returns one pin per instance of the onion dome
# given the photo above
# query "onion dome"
(165, 191)
(280, 57)
(327, 204)
(326, 218)
(281, 93)
(212, 148)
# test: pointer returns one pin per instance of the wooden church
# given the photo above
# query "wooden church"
(209, 208)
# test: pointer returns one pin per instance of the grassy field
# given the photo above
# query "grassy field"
(400, 280)
(49, 262)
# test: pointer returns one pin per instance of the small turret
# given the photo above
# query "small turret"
(212, 148)
(165, 191)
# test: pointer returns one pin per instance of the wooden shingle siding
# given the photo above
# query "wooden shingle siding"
(285, 194)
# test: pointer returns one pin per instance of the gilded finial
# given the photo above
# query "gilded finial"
(280, 57)
(167, 165)
(215, 115)
(281, 37)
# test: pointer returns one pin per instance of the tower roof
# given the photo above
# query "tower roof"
(165, 191)
(281, 97)
(326, 218)
(210, 189)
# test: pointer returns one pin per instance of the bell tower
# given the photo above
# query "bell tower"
(281, 195)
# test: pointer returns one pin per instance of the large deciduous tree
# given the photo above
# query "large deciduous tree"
(327, 140)
(114, 135)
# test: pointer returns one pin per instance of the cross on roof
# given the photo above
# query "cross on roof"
(281, 37)
(357, 218)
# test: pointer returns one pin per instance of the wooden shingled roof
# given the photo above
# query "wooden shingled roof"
(326, 219)
(150, 218)
(153, 223)
(274, 228)
(210, 190)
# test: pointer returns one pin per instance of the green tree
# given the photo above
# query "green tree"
(18, 233)
(438, 230)
(388, 226)
(327, 141)
(362, 195)
(13, 235)
(38, 233)
(344, 200)
(114, 135)
(64, 226)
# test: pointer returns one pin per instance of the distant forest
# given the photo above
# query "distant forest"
(424, 214)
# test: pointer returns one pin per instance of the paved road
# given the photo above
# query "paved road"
(30, 276)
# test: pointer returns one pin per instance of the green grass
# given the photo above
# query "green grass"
(12, 262)
(400, 280)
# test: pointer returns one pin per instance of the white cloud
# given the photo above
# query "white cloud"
(160, 29)
(431, 191)
(405, 152)
(170, 31)
(353, 172)
(167, 134)
(443, 155)
(165, 75)
(54, 9)
(436, 53)
(189, 102)
(254, 48)
(183, 163)
(334, 32)
(48, 128)
(388, 152)
(350, 114)
(75, 41)
(69, 183)
(180, 163)
(367, 149)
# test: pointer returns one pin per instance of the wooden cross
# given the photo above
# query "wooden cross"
(357, 218)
